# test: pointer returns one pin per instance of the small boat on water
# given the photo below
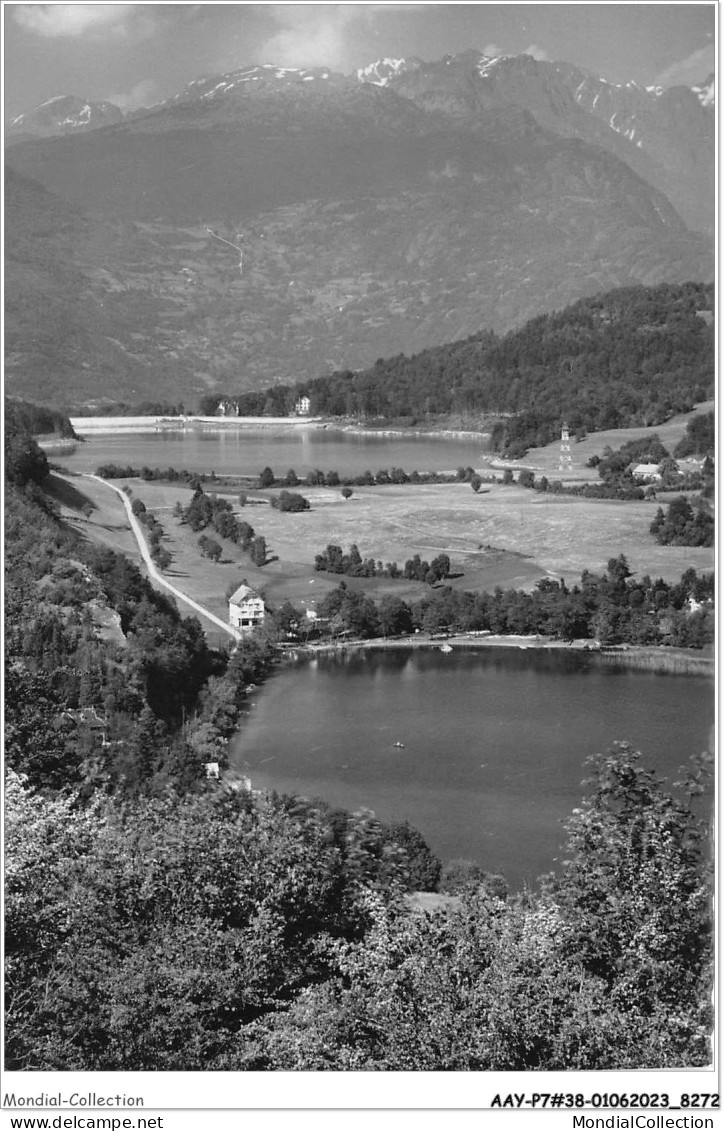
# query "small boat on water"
(400, 745)
(445, 647)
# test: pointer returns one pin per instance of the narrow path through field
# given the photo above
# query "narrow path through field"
(153, 570)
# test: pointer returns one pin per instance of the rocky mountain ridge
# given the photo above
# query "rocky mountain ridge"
(64, 114)
(275, 224)
(665, 134)
(70, 112)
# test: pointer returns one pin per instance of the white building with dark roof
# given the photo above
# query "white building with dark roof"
(647, 472)
(246, 609)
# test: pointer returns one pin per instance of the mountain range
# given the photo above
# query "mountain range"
(272, 224)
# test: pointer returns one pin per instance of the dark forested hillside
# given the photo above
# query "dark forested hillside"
(631, 357)
(36, 419)
(100, 667)
(24, 460)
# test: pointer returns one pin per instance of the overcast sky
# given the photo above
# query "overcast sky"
(137, 54)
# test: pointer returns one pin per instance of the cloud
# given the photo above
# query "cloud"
(75, 20)
(493, 51)
(694, 68)
(311, 34)
(144, 93)
(536, 52)
(377, 9)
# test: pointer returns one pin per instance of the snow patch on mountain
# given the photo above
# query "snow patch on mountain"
(487, 64)
(63, 114)
(706, 91)
(217, 87)
(382, 70)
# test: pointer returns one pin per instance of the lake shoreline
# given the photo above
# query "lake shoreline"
(428, 433)
(659, 659)
(129, 425)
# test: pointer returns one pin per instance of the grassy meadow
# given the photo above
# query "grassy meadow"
(503, 536)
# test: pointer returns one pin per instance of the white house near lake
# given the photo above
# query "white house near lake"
(302, 406)
(246, 610)
(647, 472)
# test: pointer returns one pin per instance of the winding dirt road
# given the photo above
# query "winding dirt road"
(153, 570)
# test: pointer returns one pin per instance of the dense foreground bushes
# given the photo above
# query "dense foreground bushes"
(224, 931)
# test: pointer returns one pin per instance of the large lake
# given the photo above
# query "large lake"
(245, 451)
(494, 741)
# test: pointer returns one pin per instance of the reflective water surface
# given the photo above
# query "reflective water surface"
(245, 451)
(494, 741)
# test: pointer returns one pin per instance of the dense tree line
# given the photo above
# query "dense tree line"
(154, 533)
(699, 439)
(25, 461)
(37, 420)
(613, 608)
(334, 560)
(634, 356)
(318, 478)
(683, 524)
(165, 475)
(169, 474)
(122, 408)
(212, 511)
(621, 488)
(266, 478)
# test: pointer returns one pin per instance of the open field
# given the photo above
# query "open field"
(505, 536)
(106, 524)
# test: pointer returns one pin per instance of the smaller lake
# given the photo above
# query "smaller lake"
(246, 451)
(494, 741)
